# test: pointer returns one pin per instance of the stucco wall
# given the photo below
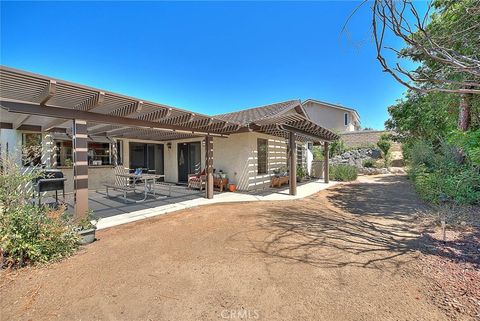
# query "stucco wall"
(329, 117)
(237, 155)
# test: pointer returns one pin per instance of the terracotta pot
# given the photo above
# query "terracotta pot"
(232, 187)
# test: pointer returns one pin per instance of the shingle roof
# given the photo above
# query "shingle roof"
(247, 116)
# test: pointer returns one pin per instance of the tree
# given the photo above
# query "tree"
(444, 41)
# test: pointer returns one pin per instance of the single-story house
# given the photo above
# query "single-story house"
(88, 133)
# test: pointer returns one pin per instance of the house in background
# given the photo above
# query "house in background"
(334, 117)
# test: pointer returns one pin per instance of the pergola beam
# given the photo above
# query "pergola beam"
(92, 102)
(48, 92)
(20, 121)
(87, 104)
(67, 113)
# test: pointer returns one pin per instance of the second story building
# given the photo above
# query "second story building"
(334, 117)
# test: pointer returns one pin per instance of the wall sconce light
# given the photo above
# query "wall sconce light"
(169, 145)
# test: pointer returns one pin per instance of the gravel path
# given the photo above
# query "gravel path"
(343, 254)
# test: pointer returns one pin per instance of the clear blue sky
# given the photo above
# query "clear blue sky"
(206, 57)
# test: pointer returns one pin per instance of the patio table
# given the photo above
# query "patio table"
(148, 184)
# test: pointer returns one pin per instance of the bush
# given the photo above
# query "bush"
(337, 147)
(31, 234)
(301, 172)
(317, 153)
(28, 233)
(369, 163)
(343, 173)
(421, 153)
(442, 172)
(461, 186)
(384, 144)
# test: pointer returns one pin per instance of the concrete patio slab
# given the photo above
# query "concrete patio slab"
(196, 199)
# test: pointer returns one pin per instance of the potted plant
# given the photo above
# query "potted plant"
(68, 162)
(86, 228)
(301, 173)
(222, 174)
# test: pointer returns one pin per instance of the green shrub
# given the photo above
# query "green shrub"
(442, 172)
(31, 234)
(369, 163)
(384, 144)
(301, 172)
(28, 233)
(337, 147)
(469, 142)
(461, 186)
(421, 153)
(343, 173)
(317, 153)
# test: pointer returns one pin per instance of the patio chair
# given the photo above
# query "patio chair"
(197, 181)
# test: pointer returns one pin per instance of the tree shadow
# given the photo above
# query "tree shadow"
(369, 225)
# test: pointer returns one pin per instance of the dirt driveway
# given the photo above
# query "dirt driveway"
(343, 254)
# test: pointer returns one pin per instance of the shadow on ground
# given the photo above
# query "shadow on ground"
(363, 224)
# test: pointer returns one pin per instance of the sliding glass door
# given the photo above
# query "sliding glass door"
(189, 160)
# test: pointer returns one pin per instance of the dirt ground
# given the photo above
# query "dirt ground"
(347, 253)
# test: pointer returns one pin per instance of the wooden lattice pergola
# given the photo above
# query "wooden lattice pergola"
(40, 103)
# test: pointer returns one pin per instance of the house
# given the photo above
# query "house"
(334, 117)
(89, 133)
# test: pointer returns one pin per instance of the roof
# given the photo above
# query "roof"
(333, 106)
(48, 104)
(249, 115)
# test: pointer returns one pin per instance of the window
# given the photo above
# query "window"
(31, 149)
(262, 146)
(345, 118)
(98, 153)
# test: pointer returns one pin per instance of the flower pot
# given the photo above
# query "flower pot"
(232, 187)
(86, 236)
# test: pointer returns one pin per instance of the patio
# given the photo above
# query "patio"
(114, 211)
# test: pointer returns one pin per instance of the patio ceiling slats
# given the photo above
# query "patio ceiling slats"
(20, 91)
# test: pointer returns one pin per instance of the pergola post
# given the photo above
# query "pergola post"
(293, 163)
(209, 166)
(325, 162)
(80, 168)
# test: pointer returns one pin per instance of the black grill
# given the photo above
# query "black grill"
(49, 180)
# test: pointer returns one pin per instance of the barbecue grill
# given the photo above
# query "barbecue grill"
(49, 180)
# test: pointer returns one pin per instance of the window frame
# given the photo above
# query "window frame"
(262, 171)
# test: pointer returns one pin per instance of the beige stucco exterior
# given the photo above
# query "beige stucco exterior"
(235, 155)
(332, 117)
